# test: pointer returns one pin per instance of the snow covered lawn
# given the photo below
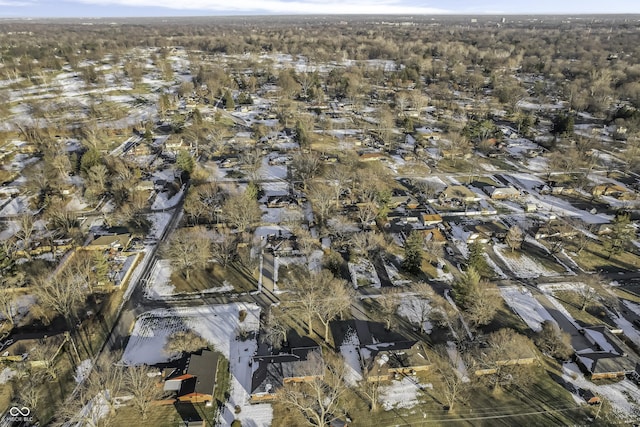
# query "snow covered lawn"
(528, 308)
(83, 369)
(623, 396)
(363, 273)
(416, 310)
(401, 394)
(20, 306)
(394, 275)
(350, 351)
(163, 201)
(218, 324)
(520, 264)
(160, 286)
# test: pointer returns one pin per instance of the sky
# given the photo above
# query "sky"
(122, 8)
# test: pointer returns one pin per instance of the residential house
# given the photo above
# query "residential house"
(612, 190)
(175, 144)
(608, 356)
(37, 349)
(391, 360)
(297, 364)
(502, 193)
(371, 156)
(487, 230)
(433, 235)
(105, 243)
(431, 219)
(194, 378)
(459, 193)
(383, 354)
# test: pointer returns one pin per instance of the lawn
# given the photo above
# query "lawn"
(215, 276)
(165, 415)
(594, 257)
(482, 407)
(593, 315)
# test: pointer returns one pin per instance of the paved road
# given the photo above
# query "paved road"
(268, 272)
(133, 305)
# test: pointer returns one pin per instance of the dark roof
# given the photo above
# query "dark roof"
(273, 369)
(606, 363)
(203, 366)
(368, 332)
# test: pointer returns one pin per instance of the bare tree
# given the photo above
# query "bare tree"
(367, 212)
(388, 302)
(305, 241)
(224, 247)
(453, 385)
(590, 289)
(366, 243)
(514, 238)
(370, 390)
(506, 357)
(318, 400)
(322, 199)
(483, 305)
(144, 387)
(551, 340)
(189, 249)
(7, 300)
(185, 342)
(275, 327)
(241, 211)
(64, 294)
(306, 166)
(320, 295)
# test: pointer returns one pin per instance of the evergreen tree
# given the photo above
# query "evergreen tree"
(465, 287)
(185, 162)
(302, 133)
(621, 235)
(413, 252)
(562, 124)
(477, 260)
(90, 158)
(228, 101)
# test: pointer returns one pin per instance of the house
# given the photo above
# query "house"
(608, 356)
(431, 219)
(371, 157)
(175, 143)
(502, 193)
(391, 360)
(194, 379)
(383, 354)
(613, 190)
(487, 230)
(145, 185)
(141, 149)
(37, 349)
(460, 193)
(105, 243)
(297, 364)
(433, 235)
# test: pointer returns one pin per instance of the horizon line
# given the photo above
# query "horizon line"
(253, 15)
